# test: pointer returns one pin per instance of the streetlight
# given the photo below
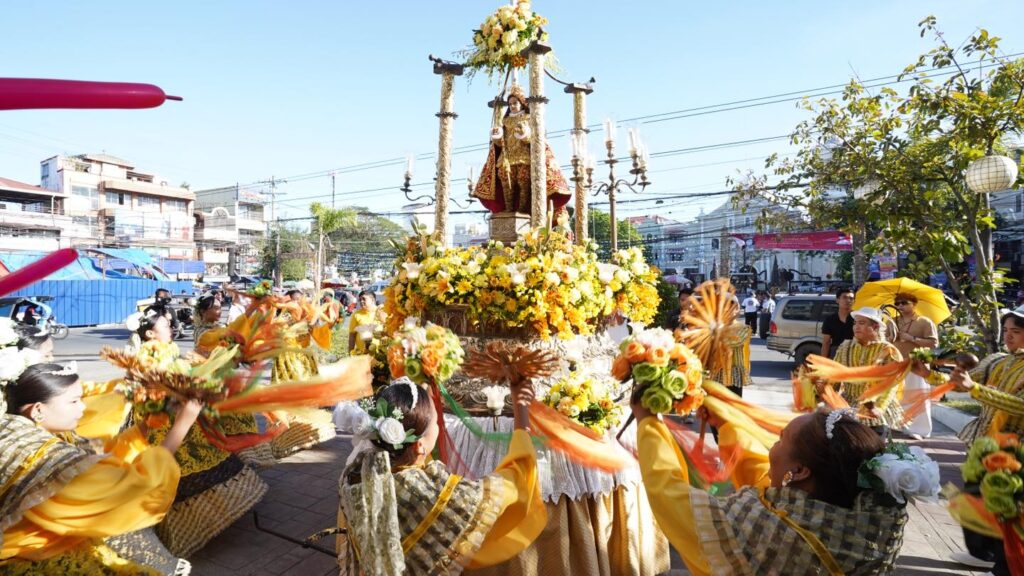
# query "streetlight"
(583, 170)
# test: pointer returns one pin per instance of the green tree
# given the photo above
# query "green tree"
(294, 254)
(364, 244)
(898, 162)
(326, 220)
(600, 224)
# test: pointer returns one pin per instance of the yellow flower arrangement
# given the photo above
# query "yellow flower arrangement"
(585, 400)
(502, 36)
(543, 282)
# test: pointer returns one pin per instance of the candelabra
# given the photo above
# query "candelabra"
(407, 189)
(583, 166)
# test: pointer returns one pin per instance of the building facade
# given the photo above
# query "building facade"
(33, 218)
(231, 227)
(113, 204)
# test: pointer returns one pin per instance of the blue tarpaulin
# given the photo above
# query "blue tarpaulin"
(182, 266)
(82, 269)
(126, 258)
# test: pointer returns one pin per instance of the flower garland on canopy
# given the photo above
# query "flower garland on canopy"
(543, 283)
(499, 42)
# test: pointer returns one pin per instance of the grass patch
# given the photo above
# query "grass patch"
(968, 406)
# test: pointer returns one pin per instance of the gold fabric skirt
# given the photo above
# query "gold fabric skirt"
(612, 534)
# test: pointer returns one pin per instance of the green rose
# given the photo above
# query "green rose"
(1001, 483)
(445, 371)
(414, 370)
(982, 447)
(657, 399)
(1001, 505)
(645, 373)
(675, 383)
(972, 471)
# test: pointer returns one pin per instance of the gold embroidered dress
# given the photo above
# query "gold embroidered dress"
(504, 184)
(444, 522)
(306, 428)
(763, 530)
(854, 354)
(738, 374)
(999, 380)
(58, 500)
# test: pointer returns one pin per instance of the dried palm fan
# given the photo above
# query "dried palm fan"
(203, 381)
(711, 332)
(501, 362)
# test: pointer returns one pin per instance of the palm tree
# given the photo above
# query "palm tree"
(325, 221)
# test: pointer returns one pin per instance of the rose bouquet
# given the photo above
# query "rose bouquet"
(995, 464)
(901, 471)
(584, 400)
(432, 353)
(668, 373)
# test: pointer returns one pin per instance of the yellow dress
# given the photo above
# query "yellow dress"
(445, 522)
(854, 354)
(130, 488)
(306, 428)
(363, 317)
(730, 535)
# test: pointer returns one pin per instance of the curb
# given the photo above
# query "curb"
(950, 417)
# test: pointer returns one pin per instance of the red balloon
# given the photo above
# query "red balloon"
(37, 270)
(31, 93)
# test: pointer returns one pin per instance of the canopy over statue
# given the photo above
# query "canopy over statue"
(505, 184)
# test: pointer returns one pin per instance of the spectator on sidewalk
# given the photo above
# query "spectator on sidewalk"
(837, 328)
(675, 319)
(751, 305)
(767, 309)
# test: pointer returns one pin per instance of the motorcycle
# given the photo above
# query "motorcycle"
(57, 330)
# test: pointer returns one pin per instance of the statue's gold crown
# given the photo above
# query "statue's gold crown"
(516, 91)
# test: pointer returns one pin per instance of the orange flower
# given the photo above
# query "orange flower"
(157, 420)
(689, 403)
(621, 368)
(658, 356)
(431, 359)
(678, 353)
(635, 351)
(1007, 440)
(997, 461)
(396, 361)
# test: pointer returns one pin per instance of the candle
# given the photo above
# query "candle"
(495, 398)
(410, 160)
(633, 142)
(574, 141)
(609, 130)
(470, 174)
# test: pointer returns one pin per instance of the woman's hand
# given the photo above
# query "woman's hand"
(961, 380)
(920, 368)
(184, 418)
(713, 419)
(523, 395)
(906, 337)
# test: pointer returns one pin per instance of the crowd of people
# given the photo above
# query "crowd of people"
(85, 490)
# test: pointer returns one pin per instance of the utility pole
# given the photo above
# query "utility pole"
(277, 221)
(332, 189)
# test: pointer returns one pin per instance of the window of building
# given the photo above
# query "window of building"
(88, 192)
(117, 198)
(148, 201)
(176, 205)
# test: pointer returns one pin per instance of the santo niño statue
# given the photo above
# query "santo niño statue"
(504, 184)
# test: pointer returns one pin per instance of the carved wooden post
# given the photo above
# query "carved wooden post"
(579, 123)
(448, 72)
(538, 139)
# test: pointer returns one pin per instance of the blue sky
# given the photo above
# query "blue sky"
(299, 88)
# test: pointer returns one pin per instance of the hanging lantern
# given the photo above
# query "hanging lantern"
(991, 174)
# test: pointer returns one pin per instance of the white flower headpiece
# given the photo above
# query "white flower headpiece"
(13, 363)
(8, 334)
(835, 416)
(69, 369)
(903, 472)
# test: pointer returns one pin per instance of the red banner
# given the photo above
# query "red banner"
(823, 240)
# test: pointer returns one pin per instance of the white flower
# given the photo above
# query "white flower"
(390, 431)
(366, 331)
(7, 334)
(516, 273)
(412, 270)
(12, 363)
(509, 38)
(908, 479)
(575, 295)
(639, 268)
(586, 287)
(605, 272)
(472, 268)
(410, 322)
(349, 417)
(636, 327)
(571, 274)
(552, 278)
(622, 275)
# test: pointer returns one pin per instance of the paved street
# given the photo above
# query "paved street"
(302, 497)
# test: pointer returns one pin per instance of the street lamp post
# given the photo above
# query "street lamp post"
(583, 171)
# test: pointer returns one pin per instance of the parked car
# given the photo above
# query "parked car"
(795, 328)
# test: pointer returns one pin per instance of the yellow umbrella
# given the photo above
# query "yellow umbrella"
(930, 301)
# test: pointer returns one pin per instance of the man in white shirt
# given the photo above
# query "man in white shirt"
(238, 305)
(750, 306)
